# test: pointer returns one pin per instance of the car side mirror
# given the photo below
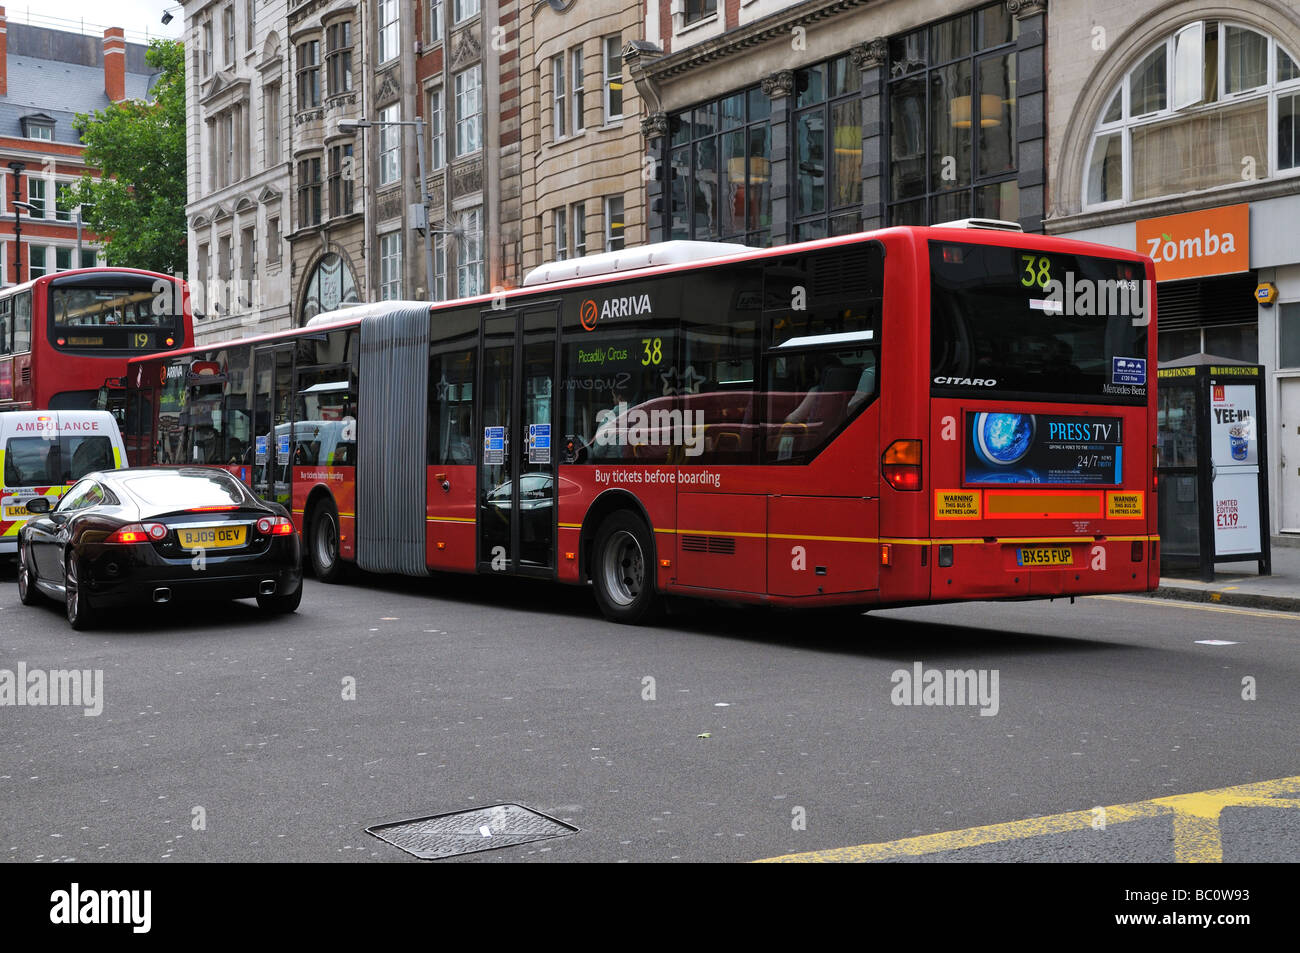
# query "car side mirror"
(40, 504)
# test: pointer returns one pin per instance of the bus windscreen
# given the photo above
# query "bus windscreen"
(113, 318)
(1037, 325)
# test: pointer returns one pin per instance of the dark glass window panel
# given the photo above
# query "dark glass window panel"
(1288, 335)
(907, 53)
(997, 82)
(807, 231)
(758, 193)
(950, 40)
(846, 153)
(908, 213)
(810, 159)
(706, 120)
(759, 240)
(1288, 132)
(907, 139)
(999, 200)
(845, 77)
(760, 107)
(734, 190)
(1175, 344)
(952, 120)
(679, 178)
(1237, 341)
(679, 128)
(733, 111)
(846, 224)
(810, 85)
(950, 207)
(705, 191)
(996, 26)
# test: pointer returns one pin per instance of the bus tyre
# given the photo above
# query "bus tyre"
(323, 545)
(279, 603)
(28, 594)
(80, 616)
(622, 570)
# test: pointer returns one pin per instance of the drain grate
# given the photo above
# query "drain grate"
(467, 832)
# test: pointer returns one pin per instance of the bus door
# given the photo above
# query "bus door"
(272, 423)
(517, 485)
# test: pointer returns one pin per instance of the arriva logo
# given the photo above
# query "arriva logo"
(629, 307)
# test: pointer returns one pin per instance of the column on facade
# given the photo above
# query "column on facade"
(871, 60)
(778, 88)
(654, 128)
(1031, 110)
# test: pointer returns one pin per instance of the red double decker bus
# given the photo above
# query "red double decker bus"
(65, 338)
(906, 416)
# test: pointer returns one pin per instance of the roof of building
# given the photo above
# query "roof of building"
(61, 74)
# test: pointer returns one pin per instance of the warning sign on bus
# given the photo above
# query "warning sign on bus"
(1124, 506)
(957, 504)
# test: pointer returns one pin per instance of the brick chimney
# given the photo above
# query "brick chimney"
(115, 64)
(4, 54)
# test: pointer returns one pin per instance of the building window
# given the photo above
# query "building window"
(63, 204)
(205, 44)
(309, 191)
(247, 265)
(35, 261)
(720, 170)
(89, 258)
(330, 286)
(389, 30)
(437, 130)
(338, 56)
(827, 157)
(468, 105)
(308, 74)
(614, 224)
(271, 122)
(952, 120)
(578, 215)
(697, 10)
(273, 240)
(250, 24)
(613, 78)
(228, 36)
(464, 9)
(39, 126)
(63, 259)
(1195, 114)
(560, 98)
(36, 194)
(439, 267)
(203, 265)
(390, 146)
(224, 272)
(435, 20)
(561, 228)
(469, 256)
(576, 81)
(341, 179)
(390, 266)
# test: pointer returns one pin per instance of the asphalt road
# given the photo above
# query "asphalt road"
(473, 692)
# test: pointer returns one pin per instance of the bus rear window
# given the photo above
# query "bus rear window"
(1037, 325)
(97, 308)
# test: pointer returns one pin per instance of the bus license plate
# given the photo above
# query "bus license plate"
(212, 537)
(1045, 556)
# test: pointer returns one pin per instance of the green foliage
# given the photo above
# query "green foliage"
(137, 208)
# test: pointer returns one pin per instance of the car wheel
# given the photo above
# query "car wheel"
(622, 570)
(28, 594)
(80, 614)
(323, 551)
(279, 604)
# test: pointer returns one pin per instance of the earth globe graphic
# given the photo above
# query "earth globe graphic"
(1003, 439)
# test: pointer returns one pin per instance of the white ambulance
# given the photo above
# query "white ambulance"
(44, 452)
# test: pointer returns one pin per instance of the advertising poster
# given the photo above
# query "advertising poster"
(1233, 440)
(1234, 449)
(1048, 449)
(1236, 512)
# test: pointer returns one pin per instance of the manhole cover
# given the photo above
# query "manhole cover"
(466, 832)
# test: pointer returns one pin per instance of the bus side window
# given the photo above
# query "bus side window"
(22, 316)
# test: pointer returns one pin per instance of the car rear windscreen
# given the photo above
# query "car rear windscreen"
(190, 490)
(1026, 324)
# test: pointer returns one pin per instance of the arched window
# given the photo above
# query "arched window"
(1215, 104)
(330, 286)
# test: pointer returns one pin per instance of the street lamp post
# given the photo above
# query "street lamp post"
(17, 168)
(349, 125)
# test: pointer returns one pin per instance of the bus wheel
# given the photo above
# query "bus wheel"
(28, 594)
(622, 570)
(323, 549)
(80, 616)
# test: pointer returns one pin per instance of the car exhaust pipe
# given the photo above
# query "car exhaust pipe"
(266, 587)
(162, 595)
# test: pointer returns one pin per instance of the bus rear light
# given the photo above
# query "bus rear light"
(1136, 551)
(665, 564)
(60, 341)
(442, 544)
(170, 341)
(945, 555)
(886, 554)
(1155, 464)
(900, 465)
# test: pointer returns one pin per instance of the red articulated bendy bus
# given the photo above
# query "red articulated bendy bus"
(65, 338)
(897, 417)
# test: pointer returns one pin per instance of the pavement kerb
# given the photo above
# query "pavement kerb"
(1246, 600)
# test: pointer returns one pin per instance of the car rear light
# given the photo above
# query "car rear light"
(275, 526)
(131, 533)
(212, 509)
(157, 531)
(900, 464)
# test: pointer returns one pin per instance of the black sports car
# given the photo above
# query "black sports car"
(161, 534)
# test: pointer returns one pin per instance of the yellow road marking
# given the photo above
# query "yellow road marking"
(1200, 607)
(1195, 826)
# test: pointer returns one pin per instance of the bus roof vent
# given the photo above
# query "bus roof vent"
(996, 224)
(631, 259)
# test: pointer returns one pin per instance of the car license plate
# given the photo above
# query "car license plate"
(1045, 556)
(212, 537)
